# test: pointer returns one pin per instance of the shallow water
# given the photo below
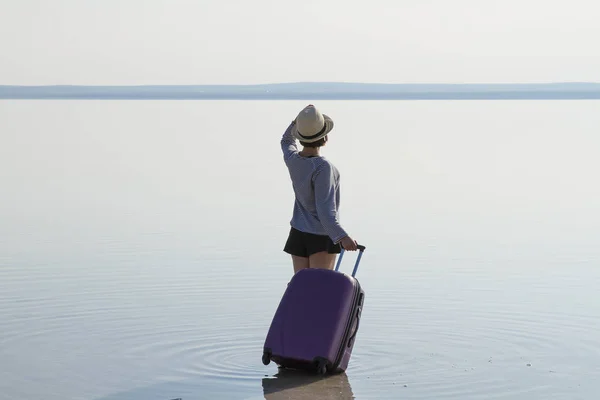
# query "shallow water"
(140, 249)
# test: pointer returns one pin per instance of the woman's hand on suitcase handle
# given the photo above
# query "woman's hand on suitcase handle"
(349, 244)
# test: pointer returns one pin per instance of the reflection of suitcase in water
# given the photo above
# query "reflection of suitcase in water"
(299, 385)
(315, 325)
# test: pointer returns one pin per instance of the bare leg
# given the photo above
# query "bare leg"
(322, 259)
(299, 263)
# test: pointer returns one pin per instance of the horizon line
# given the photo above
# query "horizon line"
(310, 83)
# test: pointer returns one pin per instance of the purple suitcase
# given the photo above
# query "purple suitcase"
(314, 328)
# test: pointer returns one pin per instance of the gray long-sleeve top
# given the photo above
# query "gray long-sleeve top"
(316, 184)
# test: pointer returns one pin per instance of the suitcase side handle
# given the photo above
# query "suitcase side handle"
(355, 330)
(361, 249)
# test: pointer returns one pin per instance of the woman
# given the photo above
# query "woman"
(316, 235)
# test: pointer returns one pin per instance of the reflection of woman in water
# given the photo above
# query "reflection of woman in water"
(298, 385)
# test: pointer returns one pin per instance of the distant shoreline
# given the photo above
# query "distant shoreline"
(309, 91)
(485, 96)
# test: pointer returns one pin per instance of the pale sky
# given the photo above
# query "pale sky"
(134, 42)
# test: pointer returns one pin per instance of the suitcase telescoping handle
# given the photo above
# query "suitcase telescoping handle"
(361, 249)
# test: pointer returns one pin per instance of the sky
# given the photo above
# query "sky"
(161, 42)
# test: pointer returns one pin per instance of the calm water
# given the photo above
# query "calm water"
(140, 249)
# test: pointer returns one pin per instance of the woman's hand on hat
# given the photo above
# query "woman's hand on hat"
(349, 244)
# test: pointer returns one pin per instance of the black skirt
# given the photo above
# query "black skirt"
(304, 244)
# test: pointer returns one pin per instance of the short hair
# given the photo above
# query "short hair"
(318, 143)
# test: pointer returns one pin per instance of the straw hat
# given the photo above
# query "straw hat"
(311, 125)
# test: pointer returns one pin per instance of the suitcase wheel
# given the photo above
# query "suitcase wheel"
(322, 366)
(322, 370)
(266, 358)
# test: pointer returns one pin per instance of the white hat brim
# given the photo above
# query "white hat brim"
(328, 128)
